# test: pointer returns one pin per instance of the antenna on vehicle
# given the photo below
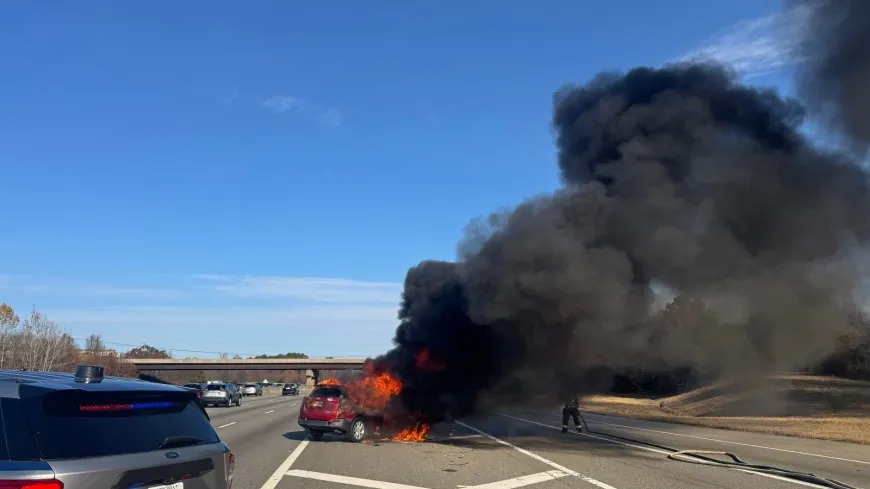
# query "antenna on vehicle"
(88, 374)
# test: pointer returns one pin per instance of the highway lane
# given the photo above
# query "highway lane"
(486, 452)
(255, 433)
(844, 462)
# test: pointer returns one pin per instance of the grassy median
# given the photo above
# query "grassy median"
(793, 405)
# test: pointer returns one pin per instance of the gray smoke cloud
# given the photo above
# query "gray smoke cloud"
(835, 79)
(677, 178)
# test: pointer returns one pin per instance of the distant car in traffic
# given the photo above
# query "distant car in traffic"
(328, 409)
(85, 430)
(198, 387)
(221, 395)
(290, 390)
(252, 390)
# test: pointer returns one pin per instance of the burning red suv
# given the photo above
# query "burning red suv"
(328, 409)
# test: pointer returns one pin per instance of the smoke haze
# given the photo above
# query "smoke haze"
(677, 178)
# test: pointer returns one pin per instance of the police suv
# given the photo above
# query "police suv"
(87, 431)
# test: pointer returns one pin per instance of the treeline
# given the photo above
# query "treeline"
(851, 359)
(38, 343)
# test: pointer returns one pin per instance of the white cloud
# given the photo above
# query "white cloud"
(55, 287)
(214, 312)
(229, 99)
(331, 117)
(758, 46)
(317, 330)
(228, 316)
(313, 289)
(282, 104)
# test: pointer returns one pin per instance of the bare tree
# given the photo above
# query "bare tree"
(40, 343)
(94, 345)
(8, 322)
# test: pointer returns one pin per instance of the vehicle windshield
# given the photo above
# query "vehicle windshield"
(250, 385)
(216, 387)
(327, 391)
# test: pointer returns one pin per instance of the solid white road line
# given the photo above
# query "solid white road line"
(269, 412)
(539, 458)
(228, 424)
(736, 443)
(282, 469)
(448, 438)
(524, 480)
(657, 450)
(351, 481)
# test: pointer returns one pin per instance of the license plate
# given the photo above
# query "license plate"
(177, 485)
(317, 404)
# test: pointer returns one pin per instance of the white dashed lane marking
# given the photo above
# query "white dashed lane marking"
(228, 424)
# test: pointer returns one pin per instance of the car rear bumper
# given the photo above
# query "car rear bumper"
(341, 425)
(214, 400)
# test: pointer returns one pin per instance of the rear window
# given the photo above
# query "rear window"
(77, 424)
(216, 387)
(250, 385)
(327, 392)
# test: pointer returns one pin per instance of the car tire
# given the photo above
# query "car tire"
(358, 431)
(239, 402)
(316, 435)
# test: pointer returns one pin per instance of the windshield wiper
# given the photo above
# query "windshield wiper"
(179, 441)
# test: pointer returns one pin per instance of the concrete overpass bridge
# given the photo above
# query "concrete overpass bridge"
(312, 366)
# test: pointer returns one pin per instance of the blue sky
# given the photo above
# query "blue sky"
(256, 178)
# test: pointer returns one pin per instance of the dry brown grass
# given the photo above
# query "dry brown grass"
(792, 405)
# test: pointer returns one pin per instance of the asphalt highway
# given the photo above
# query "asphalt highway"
(515, 449)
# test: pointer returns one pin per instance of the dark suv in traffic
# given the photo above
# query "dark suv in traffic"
(290, 390)
(84, 431)
(198, 387)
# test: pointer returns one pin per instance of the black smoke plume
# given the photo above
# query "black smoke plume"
(677, 179)
(835, 77)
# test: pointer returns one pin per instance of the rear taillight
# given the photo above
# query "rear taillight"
(343, 409)
(31, 484)
(231, 469)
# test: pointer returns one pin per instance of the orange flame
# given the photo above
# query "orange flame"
(425, 362)
(417, 433)
(373, 392)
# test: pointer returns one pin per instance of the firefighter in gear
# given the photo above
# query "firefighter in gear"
(571, 410)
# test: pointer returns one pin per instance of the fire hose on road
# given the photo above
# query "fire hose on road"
(703, 457)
